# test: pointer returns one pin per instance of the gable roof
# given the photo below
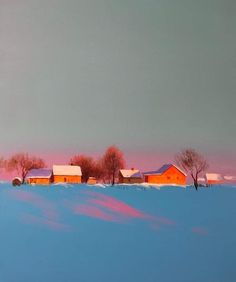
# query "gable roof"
(128, 173)
(71, 170)
(163, 169)
(39, 173)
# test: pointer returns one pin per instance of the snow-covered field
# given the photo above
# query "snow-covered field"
(126, 233)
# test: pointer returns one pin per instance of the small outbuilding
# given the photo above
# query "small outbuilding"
(40, 176)
(130, 176)
(17, 181)
(92, 181)
(167, 174)
(214, 178)
(67, 174)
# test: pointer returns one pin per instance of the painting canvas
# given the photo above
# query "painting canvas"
(117, 158)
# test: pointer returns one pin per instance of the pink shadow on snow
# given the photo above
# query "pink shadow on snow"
(32, 219)
(108, 208)
(47, 208)
(200, 231)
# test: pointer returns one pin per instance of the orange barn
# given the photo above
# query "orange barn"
(167, 174)
(67, 174)
(39, 176)
(130, 176)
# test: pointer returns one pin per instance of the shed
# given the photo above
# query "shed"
(167, 174)
(40, 176)
(92, 180)
(67, 174)
(130, 176)
(214, 178)
(16, 181)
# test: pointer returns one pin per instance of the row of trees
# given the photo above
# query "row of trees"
(107, 167)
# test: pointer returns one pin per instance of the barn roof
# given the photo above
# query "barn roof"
(39, 173)
(72, 170)
(163, 169)
(128, 173)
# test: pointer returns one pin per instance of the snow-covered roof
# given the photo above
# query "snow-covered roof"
(163, 169)
(201, 179)
(39, 173)
(128, 173)
(72, 170)
(230, 177)
(214, 176)
(17, 178)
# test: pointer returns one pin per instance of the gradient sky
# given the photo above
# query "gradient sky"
(150, 76)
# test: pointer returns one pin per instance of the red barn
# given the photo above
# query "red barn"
(167, 174)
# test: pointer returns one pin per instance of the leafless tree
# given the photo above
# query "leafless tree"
(87, 165)
(193, 163)
(23, 163)
(113, 161)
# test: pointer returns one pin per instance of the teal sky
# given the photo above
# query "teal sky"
(148, 76)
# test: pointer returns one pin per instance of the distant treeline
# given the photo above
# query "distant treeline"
(105, 168)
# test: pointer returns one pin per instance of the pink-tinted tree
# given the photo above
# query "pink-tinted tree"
(99, 171)
(2, 164)
(112, 161)
(23, 163)
(87, 165)
(193, 163)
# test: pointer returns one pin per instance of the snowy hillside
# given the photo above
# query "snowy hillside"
(126, 233)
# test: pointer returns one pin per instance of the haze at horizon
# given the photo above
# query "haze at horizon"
(149, 77)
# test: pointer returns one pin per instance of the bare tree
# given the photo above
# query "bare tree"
(87, 165)
(113, 161)
(23, 163)
(193, 163)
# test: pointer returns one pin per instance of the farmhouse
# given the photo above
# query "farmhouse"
(214, 178)
(39, 176)
(67, 174)
(167, 174)
(131, 176)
